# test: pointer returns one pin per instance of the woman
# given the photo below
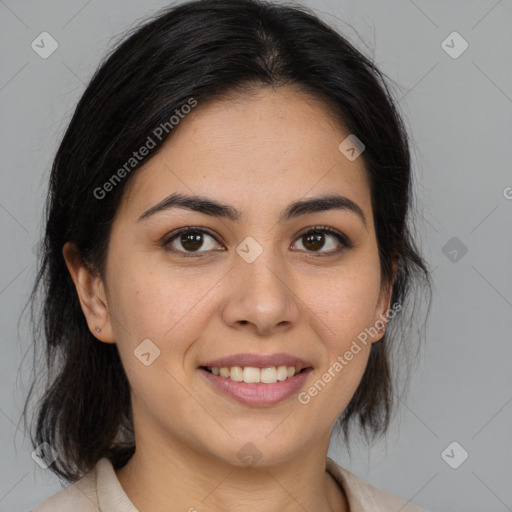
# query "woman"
(226, 254)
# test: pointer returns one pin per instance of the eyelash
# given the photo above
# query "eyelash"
(340, 237)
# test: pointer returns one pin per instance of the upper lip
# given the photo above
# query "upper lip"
(258, 361)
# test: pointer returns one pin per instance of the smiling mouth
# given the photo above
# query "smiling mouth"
(253, 375)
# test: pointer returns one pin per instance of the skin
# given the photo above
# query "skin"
(258, 154)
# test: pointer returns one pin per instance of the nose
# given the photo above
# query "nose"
(261, 297)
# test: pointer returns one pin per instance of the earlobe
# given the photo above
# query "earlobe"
(379, 327)
(91, 294)
(381, 321)
(384, 307)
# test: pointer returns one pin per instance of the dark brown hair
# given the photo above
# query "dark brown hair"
(206, 50)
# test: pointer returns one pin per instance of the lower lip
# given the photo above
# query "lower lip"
(257, 394)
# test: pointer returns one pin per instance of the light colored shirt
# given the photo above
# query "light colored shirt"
(100, 491)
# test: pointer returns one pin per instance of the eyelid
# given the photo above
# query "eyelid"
(170, 237)
(341, 238)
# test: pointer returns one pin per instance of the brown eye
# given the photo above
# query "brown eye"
(318, 238)
(314, 241)
(191, 241)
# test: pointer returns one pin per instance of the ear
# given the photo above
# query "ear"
(91, 293)
(384, 306)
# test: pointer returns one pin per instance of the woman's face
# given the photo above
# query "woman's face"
(245, 284)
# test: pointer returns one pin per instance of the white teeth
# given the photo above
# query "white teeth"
(250, 375)
(269, 375)
(282, 372)
(236, 373)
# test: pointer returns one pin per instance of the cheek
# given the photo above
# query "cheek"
(170, 309)
(160, 317)
(345, 302)
(344, 308)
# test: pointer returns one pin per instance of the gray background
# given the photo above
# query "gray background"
(460, 114)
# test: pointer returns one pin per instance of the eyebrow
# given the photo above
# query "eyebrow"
(213, 208)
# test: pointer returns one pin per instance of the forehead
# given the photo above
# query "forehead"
(272, 145)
